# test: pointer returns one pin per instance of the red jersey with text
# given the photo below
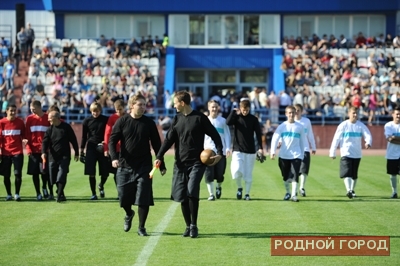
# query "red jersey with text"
(11, 135)
(36, 126)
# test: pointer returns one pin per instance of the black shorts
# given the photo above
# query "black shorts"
(58, 170)
(305, 163)
(92, 158)
(349, 167)
(393, 167)
(135, 187)
(35, 165)
(216, 172)
(290, 169)
(7, 161)
(186, 182)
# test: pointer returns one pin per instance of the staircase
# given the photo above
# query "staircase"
(19, 81)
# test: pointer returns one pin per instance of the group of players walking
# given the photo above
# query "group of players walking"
(121, 144)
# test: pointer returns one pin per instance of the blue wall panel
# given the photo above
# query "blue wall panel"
(29, 4)
(223, 58)
(226, 6)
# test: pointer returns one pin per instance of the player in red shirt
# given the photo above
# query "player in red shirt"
(12, 131)
(119, 106)
(36, 125)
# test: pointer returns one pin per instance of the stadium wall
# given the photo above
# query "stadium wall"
(323, 135)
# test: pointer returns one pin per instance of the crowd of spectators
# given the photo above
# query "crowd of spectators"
(69, 77)
(327, 75)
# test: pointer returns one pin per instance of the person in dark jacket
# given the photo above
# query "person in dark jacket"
(56, 141)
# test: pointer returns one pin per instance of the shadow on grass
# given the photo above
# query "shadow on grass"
(249, 235)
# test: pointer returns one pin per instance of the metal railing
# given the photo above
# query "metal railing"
(77, 115)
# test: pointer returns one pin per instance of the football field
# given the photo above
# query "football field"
(231, 231)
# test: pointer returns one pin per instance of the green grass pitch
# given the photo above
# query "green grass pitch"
(231, 232)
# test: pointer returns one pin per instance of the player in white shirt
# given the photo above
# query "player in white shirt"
(216, 172)
(392, 134)
(291, 153)
(308, 141)
(348, 135)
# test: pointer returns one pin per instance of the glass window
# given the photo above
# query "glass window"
(223, 76)
(106, 25)
(325, 26)
(376, 25)
(178, 27)
(91, 27)
(250, 29)
(197, 29)
(342, 27)
(214, 29)
(290, 27)
(307, 25)
(231, 29)
(253, 76)
(270, 29)
(190, 76)
(73, 22)
(123, 26)
(360, 24)
(141, 26)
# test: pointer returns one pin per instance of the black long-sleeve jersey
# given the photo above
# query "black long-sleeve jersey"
(93, 131)
(187, 133)
(135, 136)
(57, 141)
(243, 133)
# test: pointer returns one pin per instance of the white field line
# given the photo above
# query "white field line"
(153, 239)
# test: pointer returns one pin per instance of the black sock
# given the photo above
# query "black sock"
(128, 211)
(51, 192)
(186, 212)
(143, 212)
(92, 182)
(18, 183)
(7, 184)
(36, 183)
(103, 180)
(194, 209)
(45, 181)
(60, 187)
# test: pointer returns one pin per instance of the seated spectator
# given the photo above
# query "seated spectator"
(103, 41)
(396, 41)
(343, 42)
(389, 41)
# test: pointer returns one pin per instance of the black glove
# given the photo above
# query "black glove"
(82, 158)
(260, 157)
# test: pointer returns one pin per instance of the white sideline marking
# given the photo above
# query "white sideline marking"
(153, 239)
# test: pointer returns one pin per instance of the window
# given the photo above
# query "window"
(231, 29)
(223, 76)
(325, 26)
(360, 24)
(290, 27)
(190, 76)
(342, 26)
(376, 25)
(269, 30)
(253, 76)
(123, 26)
(250, 29)
(214, 29)
(197, 29)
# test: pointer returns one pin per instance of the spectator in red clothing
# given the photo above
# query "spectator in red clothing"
(12, 131)
(119, 106)
(360, 41)
(36, 125)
